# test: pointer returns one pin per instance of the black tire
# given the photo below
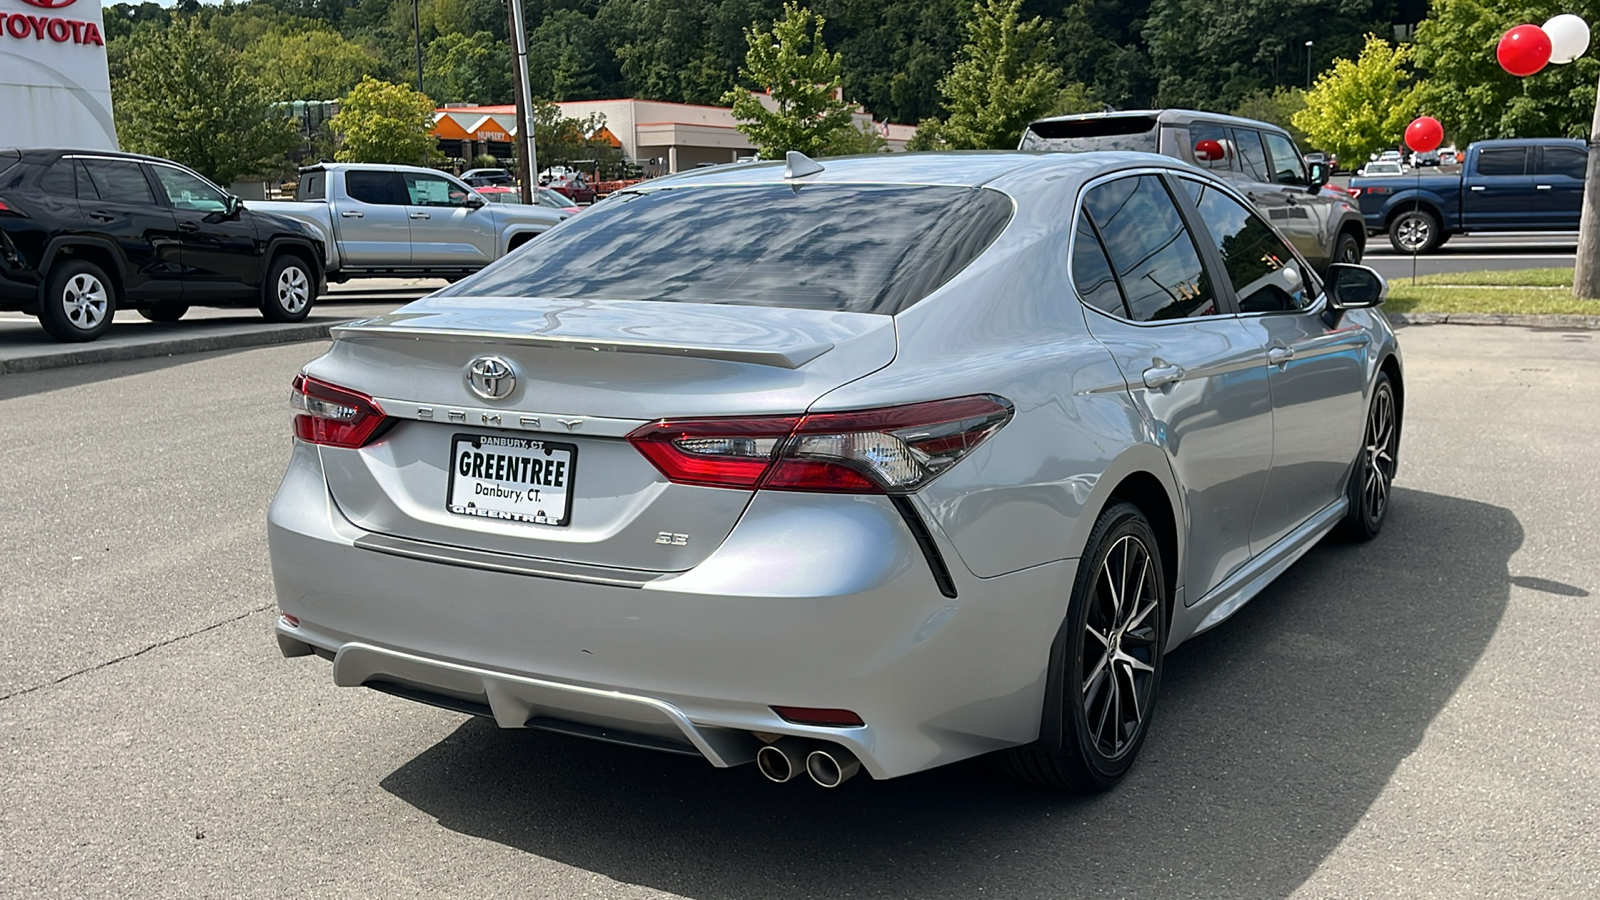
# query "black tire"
(1347, 249)
(1372, 477)
(1098, 744)
(1415, 230)
(79, 302)
(166, 312)
(290, 289)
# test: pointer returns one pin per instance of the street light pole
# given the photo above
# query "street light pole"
(1308, 65)
(416, 32)
(527, 149)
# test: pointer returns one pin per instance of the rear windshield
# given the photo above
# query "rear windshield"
(852, 248)
(1127, 132)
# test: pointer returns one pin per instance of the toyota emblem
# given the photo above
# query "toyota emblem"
(491, 378)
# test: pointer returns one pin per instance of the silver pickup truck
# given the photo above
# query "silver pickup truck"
(380, 220)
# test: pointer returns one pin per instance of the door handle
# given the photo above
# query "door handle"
(1544, 187)
(1162, 374)
(102, 216)
(420, 215)
(188, 227)
(353, 214)
(1476, 187)
(1278, 356)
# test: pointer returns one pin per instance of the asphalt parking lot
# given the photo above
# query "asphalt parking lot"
(1416, 717)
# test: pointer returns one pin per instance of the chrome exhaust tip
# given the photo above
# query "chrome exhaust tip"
(832, 767)
(782, 760)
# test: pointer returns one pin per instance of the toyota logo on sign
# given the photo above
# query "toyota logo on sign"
(50, 4)
(491, 378)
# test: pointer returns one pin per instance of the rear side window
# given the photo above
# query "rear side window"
(60, 180)
(1566, 161)
(1151, 251)
(851, 248)
(312, 186)
(117, 181)
(1502, 161)
(1252, 153)
(382, 188)
(1211, 146)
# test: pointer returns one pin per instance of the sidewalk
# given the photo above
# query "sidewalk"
(25, 347)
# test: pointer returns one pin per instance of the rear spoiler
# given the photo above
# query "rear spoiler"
(792, 357)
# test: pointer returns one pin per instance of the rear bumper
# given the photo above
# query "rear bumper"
(812, 601)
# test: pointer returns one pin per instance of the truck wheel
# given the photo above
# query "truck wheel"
(1414, 231)
(1348, 249)
(79, 302)
(290, 290)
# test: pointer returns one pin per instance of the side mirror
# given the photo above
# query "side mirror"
(1350, 286)
(1319, 176)
(232, 206)
(474, 201)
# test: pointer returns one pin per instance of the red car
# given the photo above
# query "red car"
(572, 185)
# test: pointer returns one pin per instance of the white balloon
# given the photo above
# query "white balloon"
(1569, 37)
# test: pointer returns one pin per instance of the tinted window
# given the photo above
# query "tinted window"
(1252, 153)
(1287, 167)
(432, 190)
(1211, 140)
(1504, 161)
(1566, 161)
(118, 182)
(1091, 272)
(1264, 272)
(857, 248)
(375, 187)
(60, 179)
(312, 186)
(1153, 254)
(189, 191)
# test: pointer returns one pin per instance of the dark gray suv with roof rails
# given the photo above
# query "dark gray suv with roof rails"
(1259, 158)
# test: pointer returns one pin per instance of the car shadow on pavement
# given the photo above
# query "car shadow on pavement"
(1274, 735)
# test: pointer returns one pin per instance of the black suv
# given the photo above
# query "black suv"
(84, 233)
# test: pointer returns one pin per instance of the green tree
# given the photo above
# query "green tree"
(1002, 80)
(309, 65)
(380, 122)
(180, 94)
(462, 69)
(1475, 99)
(1277, 106)
(793, 65)
(1363, 106)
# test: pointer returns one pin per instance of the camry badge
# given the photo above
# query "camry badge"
(491, 378)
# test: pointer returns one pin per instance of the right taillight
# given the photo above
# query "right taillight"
(1354, 192)
(875, 451)
(333, 416)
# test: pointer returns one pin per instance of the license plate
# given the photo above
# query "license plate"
(512, 479)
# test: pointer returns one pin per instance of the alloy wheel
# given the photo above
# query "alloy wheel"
(1414, 233)
(85, 301)
(294, 289)
(1121, 629)
(1379, 455)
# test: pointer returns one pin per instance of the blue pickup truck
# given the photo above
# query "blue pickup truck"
(1533, 184)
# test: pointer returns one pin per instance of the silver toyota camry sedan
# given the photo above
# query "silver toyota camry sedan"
(871, 464)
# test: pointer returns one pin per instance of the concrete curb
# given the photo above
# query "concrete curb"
(1559, 322)
(73, 355)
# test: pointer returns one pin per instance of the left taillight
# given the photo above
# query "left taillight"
(333, 416)
(893, 450)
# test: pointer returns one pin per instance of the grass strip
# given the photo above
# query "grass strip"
(1553, 277)
(1405, 298)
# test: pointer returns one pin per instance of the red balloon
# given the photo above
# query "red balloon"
(1524, 50)
(1209, 150)
(1424, 134)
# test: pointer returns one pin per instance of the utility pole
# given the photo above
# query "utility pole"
(1586, 270)
(1308, 64)
(527, 150)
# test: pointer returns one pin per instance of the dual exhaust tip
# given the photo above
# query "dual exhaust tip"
(786, 758)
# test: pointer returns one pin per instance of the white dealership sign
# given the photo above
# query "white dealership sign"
(55, 90)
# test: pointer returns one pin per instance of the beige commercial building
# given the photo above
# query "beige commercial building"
(664, 137)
